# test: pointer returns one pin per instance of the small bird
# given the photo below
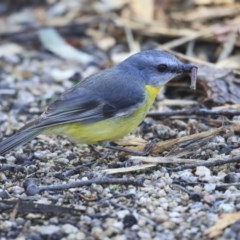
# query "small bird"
(107, 105)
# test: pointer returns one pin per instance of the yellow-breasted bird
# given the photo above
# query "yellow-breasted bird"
(107, 105)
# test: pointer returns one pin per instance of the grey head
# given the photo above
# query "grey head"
(155, 67)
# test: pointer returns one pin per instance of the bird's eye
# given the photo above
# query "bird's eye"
(162, 67)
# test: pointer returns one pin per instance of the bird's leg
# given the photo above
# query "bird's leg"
(95, 150)
(145, 152)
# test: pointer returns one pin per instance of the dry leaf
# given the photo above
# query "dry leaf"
(131, 140)
(232, 62)
(220, 85)
(165, 145)
(224, 221)
(52, 41)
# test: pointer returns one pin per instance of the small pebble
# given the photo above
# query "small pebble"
(60, 160)
(203, 173)
(121, 214)
(17, 190)
(46, 230)
(78, 236)
(164, 132)
(68, 228)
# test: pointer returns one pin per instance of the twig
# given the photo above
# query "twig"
(182, 40)
(129, 169)
(164, 160)
(115, 196)
(70, 172)
(197, 137)
(206, 164)
(11, 167)
(159, 147)
(195, 196)
(227, 185)
(198, 112)
(32, 188)
(190, 58)
(32, 31)
(228, 46)
(132, 44)
(225, 196)
(19, 206)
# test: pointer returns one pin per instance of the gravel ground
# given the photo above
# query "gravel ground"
(168, 205)
(54, 189)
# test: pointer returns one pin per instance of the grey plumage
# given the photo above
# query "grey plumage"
(114, 92)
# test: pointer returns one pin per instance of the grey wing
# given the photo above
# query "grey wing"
(105, 95)
(100, 97)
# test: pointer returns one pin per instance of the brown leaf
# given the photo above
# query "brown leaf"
(196, 138)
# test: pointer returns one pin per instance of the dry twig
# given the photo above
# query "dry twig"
(197, 112)
(213, 163)
(32, 188)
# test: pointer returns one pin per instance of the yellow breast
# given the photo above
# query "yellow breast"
(109, 129)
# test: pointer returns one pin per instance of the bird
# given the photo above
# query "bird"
(106, 105)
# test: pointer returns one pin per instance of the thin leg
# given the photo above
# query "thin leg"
(133, 152)
(94, 149)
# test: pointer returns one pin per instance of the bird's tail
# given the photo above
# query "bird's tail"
(18, 138)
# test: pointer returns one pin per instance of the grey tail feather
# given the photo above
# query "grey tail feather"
(17, 139)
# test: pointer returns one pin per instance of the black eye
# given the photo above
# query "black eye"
(162, 67)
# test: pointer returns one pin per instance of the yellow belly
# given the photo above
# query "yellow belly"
(109, 129)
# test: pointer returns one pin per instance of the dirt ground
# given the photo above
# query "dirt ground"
(186, 187)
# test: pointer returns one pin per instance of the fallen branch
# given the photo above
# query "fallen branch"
(213, 163)
(198, 112)
(194, 138)
(164, 160)
(32, 188)
(19, 206)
